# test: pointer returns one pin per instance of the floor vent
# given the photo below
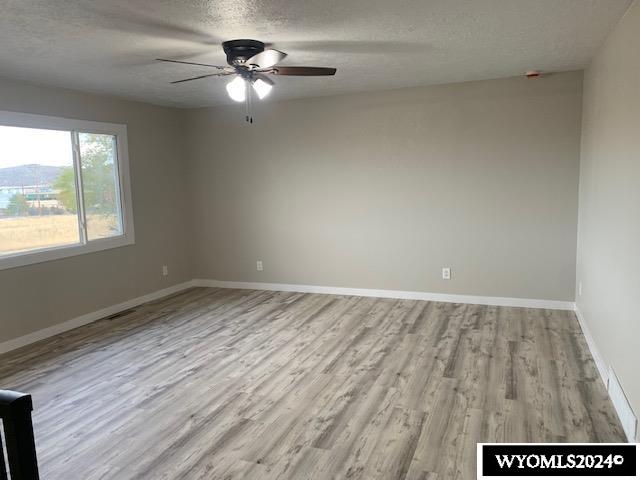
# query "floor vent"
(622, 406)
(121, 314)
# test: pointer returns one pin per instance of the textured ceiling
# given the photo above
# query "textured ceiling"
(108, 46)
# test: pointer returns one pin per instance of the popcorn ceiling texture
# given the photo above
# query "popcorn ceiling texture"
(109, 47)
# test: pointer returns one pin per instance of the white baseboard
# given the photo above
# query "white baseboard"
(618, 398)
(593, 348)
(361, 292)
(365, 292)
(622, 406)
(89, 317)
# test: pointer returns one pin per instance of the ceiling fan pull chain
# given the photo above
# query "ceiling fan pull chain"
(246, 104)
(249, 117)
(249, 90)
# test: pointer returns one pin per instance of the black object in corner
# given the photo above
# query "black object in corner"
(15, 412)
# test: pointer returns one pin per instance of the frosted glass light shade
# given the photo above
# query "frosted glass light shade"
(262, 88)
(237, 89)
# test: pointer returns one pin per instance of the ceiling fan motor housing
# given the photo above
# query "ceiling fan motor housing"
(238, 51)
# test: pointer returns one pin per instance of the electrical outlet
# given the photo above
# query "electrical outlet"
(446, 273)
(165, 270)
(259, 265)
(579, 288)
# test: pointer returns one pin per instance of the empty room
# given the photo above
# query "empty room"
(314, 240)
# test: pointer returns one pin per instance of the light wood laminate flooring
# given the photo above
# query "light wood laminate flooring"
(241, 384)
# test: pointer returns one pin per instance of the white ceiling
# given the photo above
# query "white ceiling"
(109, 46)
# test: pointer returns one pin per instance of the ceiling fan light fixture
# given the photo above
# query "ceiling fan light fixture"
(261, 87)
(237, 89)
(250, 64)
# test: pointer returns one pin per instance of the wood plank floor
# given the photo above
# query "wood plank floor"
(238, 384)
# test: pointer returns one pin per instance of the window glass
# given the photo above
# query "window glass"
(98, 158)
(38, 207)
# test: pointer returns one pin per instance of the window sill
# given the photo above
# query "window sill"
(57, 253)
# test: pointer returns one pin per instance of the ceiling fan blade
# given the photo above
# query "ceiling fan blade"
(304, 71)
(191, 63)
(221, 74)
(267, 58)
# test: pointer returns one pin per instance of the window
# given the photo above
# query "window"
(64, 188)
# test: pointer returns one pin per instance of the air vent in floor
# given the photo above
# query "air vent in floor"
(121, 314)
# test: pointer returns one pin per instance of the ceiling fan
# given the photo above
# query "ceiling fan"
(251, 64)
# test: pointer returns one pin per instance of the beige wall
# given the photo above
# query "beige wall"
(374, 190)
(38, 296)
(609, 220)
(381, 190)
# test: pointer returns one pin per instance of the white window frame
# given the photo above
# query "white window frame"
(45, 122)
